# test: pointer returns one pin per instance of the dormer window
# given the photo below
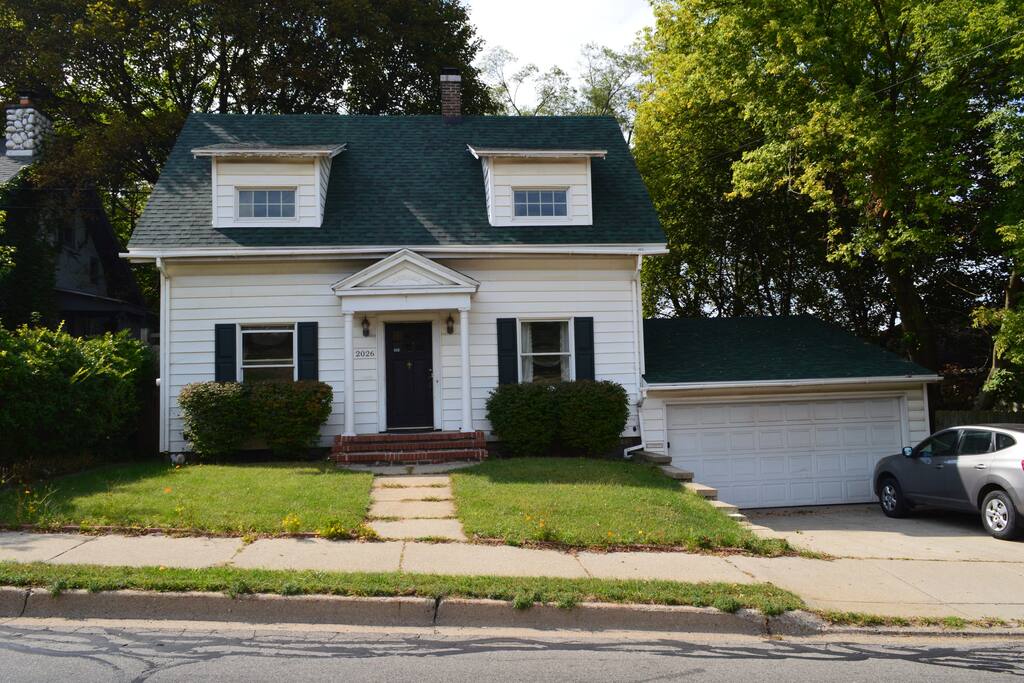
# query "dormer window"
(256, 184)
(268, 203)
(530, 203)
(538, 187)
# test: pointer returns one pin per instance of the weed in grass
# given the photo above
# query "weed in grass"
(366, 533)
(726, 603)
(954, 623)
(333, 531)
(58, 587)
(249, 539)
(567, 601)
(291, 523)
(291, 589)
(523, 600)
(238, 587)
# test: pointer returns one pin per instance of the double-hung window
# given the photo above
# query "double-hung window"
(544, 351)
(540, 203)
(269, 203)
(268, 353)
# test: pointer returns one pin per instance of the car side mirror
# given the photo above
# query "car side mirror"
(908, 452)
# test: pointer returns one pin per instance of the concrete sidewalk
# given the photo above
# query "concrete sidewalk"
(890, 587)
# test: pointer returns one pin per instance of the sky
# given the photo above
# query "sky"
(551, 32)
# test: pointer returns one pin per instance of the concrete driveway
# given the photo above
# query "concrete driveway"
(862, 531)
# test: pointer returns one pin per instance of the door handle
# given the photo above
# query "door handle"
(939, 466)
(981, 466)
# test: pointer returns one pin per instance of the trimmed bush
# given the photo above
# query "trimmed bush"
(579, 418)
(591, 416)
(523, 417)
(287, 415)
(64, 397)
(221, 418)
(216, 417)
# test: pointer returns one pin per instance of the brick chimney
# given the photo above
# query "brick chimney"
(451, 95)
(26, 127)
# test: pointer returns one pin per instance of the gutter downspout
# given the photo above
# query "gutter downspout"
(163, 381)
(638, 360)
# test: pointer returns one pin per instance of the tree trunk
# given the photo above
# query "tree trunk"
(917, 328)
(986, 400)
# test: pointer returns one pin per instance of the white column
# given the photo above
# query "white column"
(350, 399)
(467, 389)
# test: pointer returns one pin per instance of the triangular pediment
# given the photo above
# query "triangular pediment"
(405, 271)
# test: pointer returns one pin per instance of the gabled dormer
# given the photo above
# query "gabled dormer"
(262, 185)
(531, 187)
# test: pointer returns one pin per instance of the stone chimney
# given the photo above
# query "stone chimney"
(26, 127)
(451, 95)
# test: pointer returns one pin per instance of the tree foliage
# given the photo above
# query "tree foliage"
(866, 124)
(120, 76)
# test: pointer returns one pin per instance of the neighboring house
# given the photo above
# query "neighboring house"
(415, 263)
(94, 289)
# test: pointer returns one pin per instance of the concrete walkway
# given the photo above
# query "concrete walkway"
(412, 507)
(891, 587)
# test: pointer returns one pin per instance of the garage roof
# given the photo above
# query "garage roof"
(763, 349)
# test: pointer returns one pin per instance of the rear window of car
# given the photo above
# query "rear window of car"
(1004, 441)
(975, 442)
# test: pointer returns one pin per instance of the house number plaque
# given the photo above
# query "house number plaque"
(366, 353)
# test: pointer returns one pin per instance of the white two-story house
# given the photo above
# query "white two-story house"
(411, 262)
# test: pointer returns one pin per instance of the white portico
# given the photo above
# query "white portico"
(394, 290)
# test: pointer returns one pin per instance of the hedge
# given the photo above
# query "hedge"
(64, 397)
(580, 418)
(222, 418)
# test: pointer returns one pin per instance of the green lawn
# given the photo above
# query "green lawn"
(590, 503)
(261, 499)
(521, 591)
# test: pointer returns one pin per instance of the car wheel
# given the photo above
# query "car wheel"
(999, 516)
(890, 496)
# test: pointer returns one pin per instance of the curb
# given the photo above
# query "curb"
(429, 612)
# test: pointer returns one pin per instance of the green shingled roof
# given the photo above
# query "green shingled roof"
(401, 181)
(752, 349)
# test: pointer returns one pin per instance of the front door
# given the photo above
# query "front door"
(410, 375)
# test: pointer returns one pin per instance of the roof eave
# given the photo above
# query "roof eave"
(510, 153)
(783, 383)
(329, 152)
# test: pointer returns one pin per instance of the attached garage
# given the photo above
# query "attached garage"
(778, 411)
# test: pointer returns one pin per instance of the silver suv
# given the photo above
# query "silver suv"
(972, 468)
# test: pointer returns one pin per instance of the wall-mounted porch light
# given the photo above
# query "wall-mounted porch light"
(366, 327)
(449, 324)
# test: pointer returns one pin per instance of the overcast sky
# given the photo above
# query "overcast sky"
(551, 32)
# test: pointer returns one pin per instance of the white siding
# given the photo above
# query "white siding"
(301, 175)
(299, 291)
(323, 167)
(505, 175)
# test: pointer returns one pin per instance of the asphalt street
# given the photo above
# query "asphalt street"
(111, 651)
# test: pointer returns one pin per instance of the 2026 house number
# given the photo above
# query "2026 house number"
(366, 353)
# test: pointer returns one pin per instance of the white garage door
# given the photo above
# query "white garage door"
(780, 453)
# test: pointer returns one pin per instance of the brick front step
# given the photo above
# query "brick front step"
(433, 455)
(376, 446)
(409, 447)
(406, 437)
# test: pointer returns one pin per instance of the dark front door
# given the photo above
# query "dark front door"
(410, 375)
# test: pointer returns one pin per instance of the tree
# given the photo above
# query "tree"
(119, 77)
(874, 114)
(608, 84)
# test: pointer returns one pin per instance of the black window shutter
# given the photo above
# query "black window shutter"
(308, 355)
(508, 353)
(584, 347)
(224, 353)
